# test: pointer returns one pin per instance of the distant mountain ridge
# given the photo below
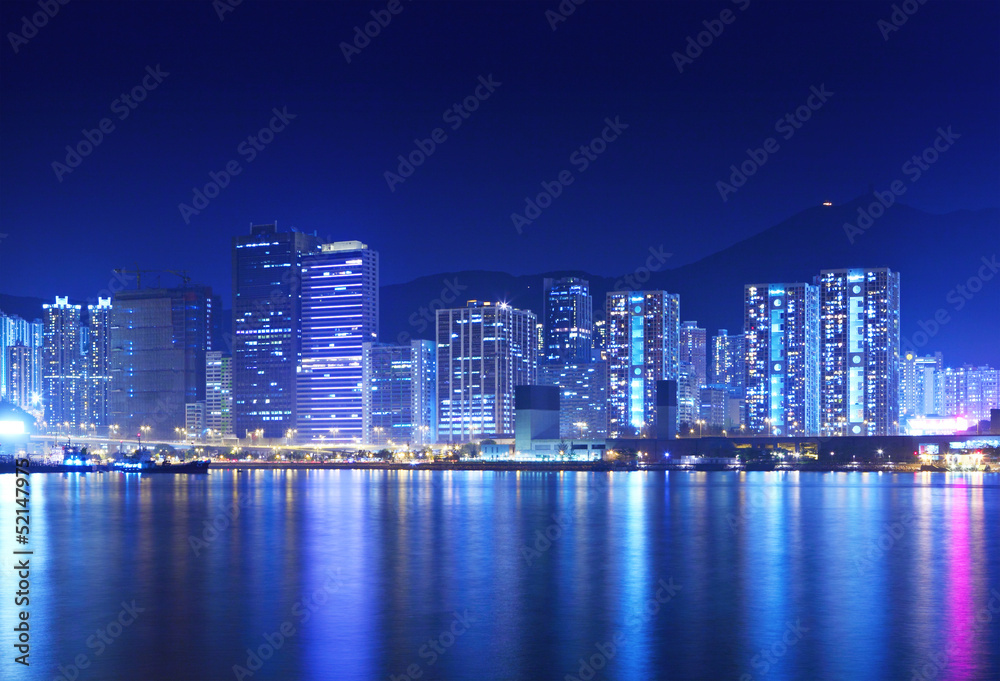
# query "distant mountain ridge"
(945, 262)
(933, 253)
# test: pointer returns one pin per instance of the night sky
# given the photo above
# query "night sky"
(325, 170)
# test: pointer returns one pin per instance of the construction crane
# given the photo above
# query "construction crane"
(138, 274)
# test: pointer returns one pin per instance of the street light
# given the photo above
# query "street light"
(582, 425)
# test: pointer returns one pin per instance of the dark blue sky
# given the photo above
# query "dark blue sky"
(655, 184)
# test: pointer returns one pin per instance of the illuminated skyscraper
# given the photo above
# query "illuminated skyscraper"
(583, 397)
(568, 320)
(918, 385)
(727, 361)
(16, 331)
(400, 389)
(688, 397)
(20, 359)
(98, 394)
(62, 364)
(266, 342)
(694, 351)
(339, 314)
(859, 351)
(219, 393)
(643, 347)
(781, 331)
(969, 392)
(483, 352)
(159, 339)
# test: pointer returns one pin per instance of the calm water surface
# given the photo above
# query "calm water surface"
(469, 575)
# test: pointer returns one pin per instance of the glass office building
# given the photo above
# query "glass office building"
(159, 341)
(339, 315)
(484, 350)
(266, 340)
(400, 393)
(568, 320)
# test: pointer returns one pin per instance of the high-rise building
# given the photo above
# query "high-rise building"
(982, 390)
(20, 359)
(483, 352)
(715, 412)
(781, 336)
(98, 404)
(400, 389)
(159, 339)
(568, 315)
(643, 347)
(969, 392)
(859, 351)
(62, 364)
(688, 397)
(727, 361)
(266, 341)
(600, 339)
(918, 384)
(694, 350)
(194, 419)
(219, 394)
(583, 397)
(339, 315)
(17, 331)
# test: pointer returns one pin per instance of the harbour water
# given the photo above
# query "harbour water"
(350, 574)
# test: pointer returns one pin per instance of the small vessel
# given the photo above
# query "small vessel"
(74, 460)
(141, 461)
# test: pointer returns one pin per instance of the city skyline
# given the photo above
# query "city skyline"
(500, 340)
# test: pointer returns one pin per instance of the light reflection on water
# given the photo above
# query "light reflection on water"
(780, 575)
